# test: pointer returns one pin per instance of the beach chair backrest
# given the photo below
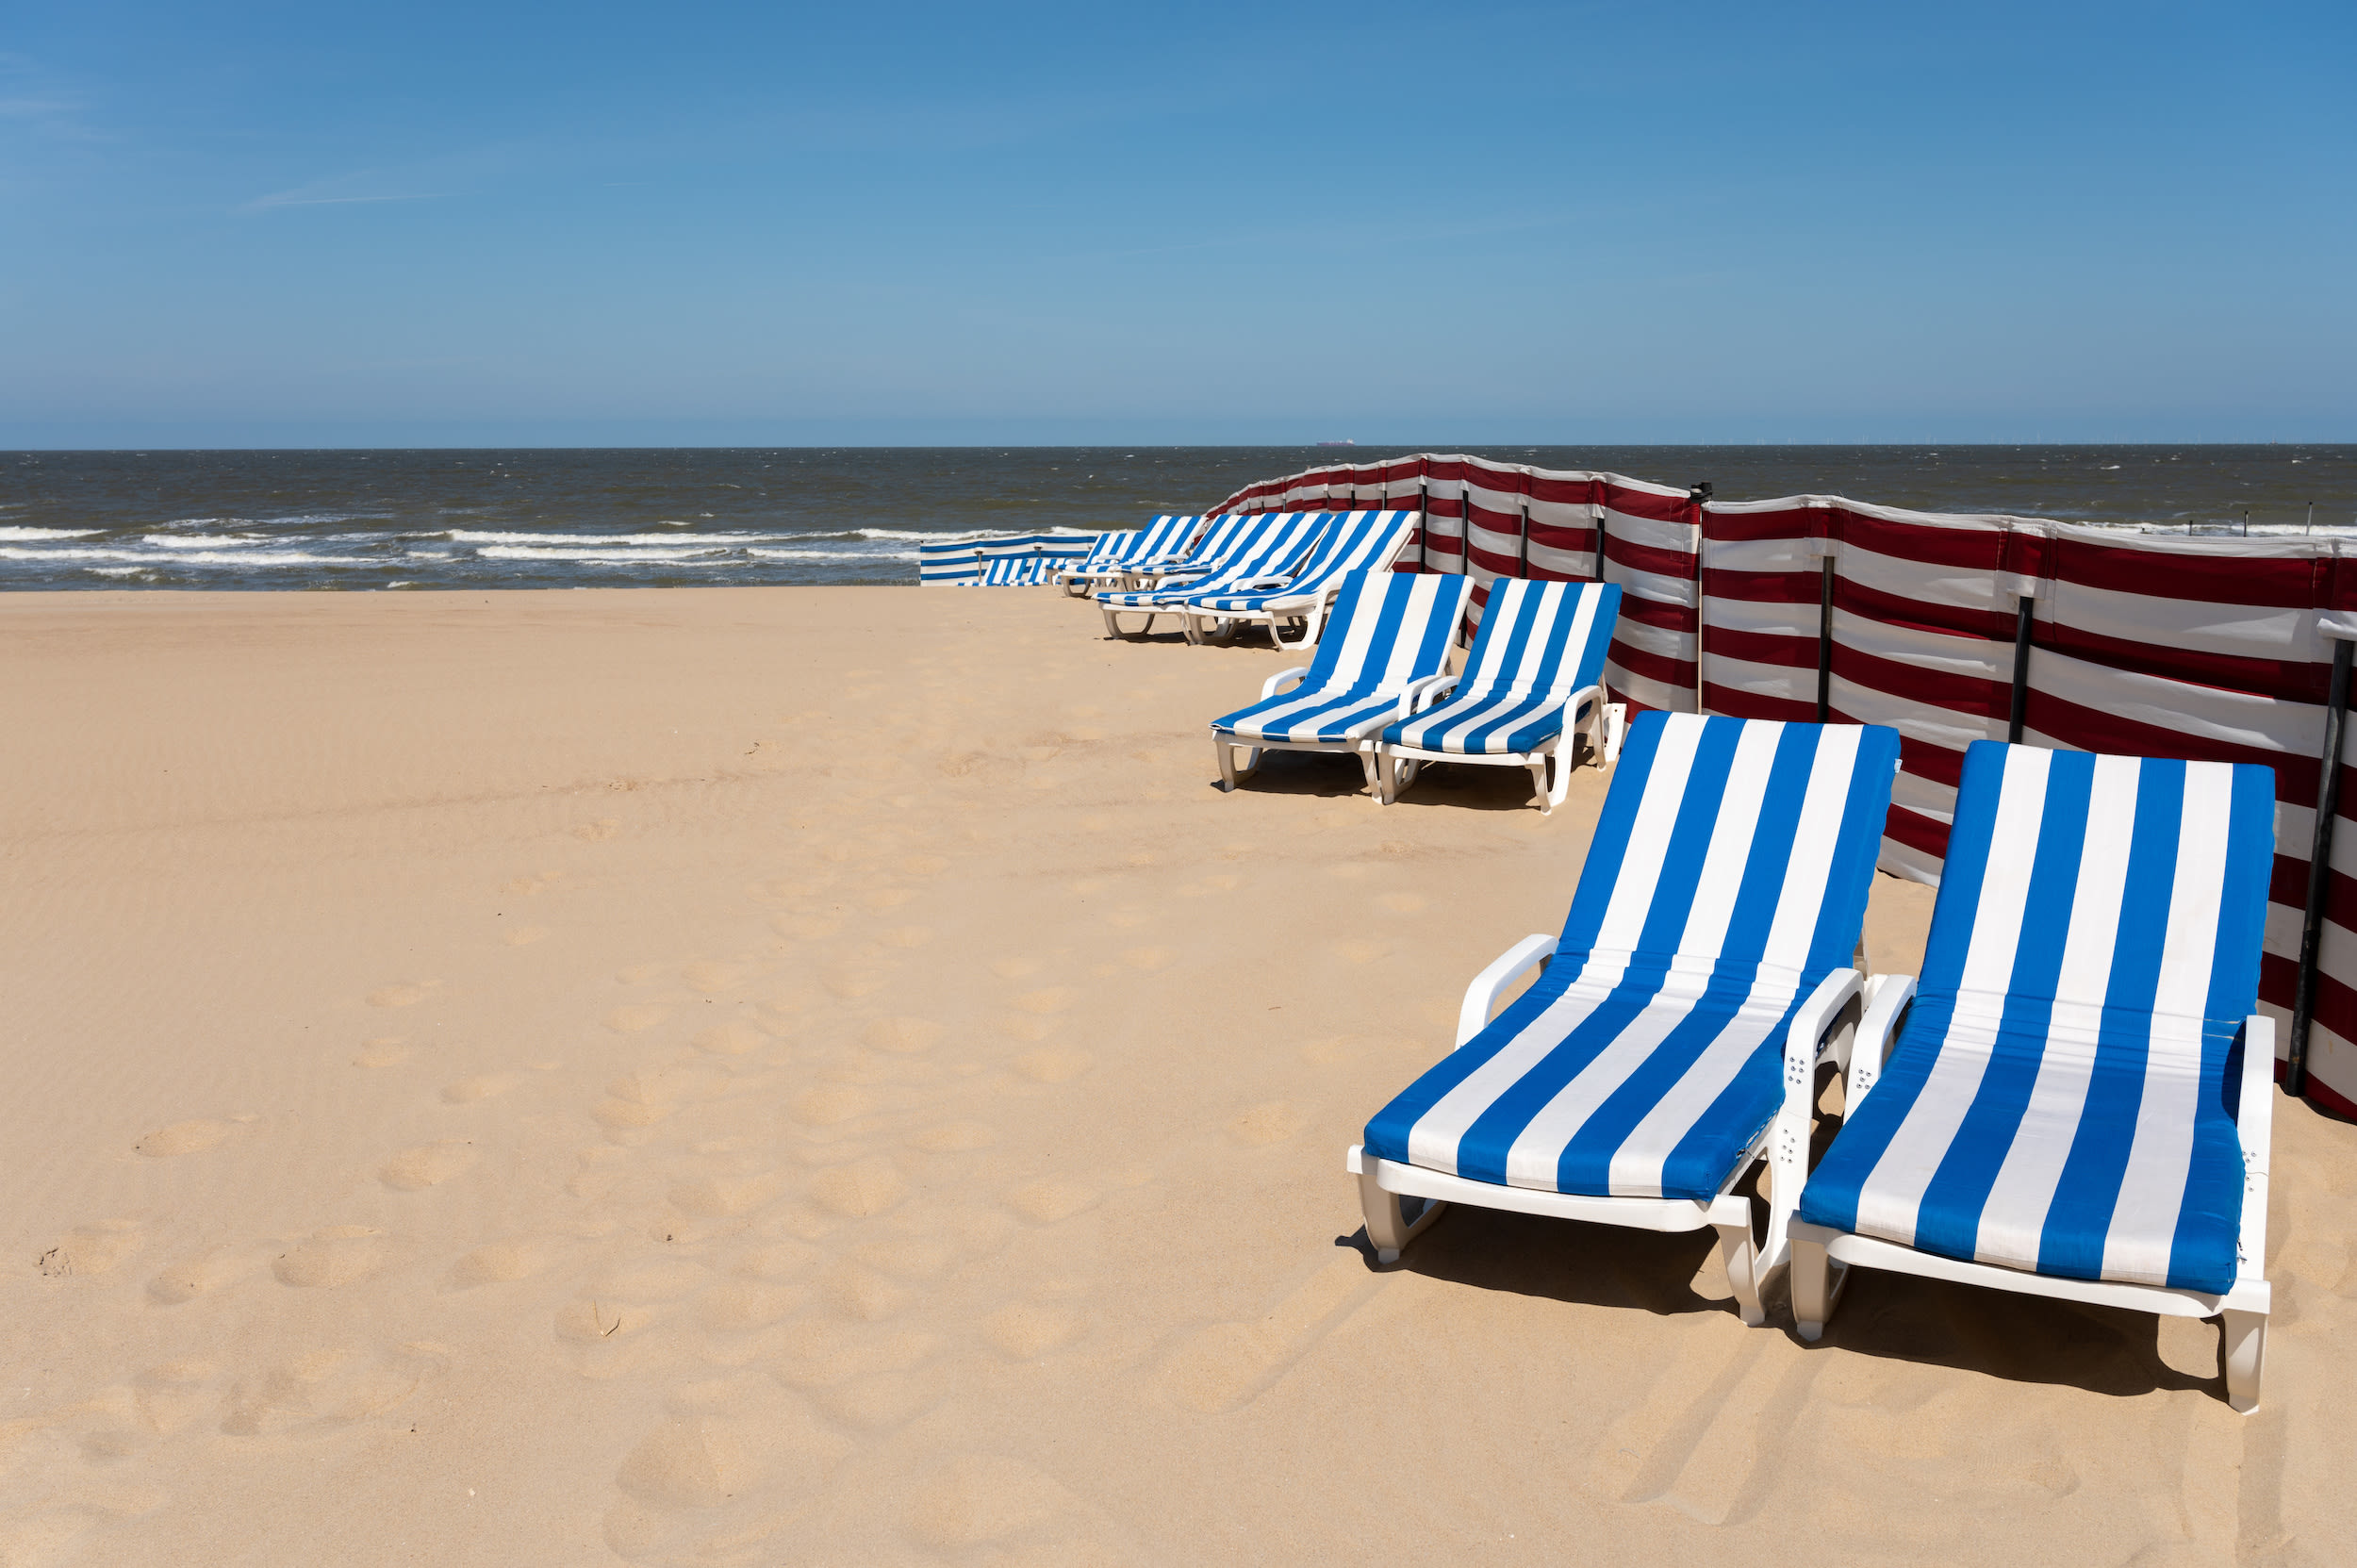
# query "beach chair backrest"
(1388, 628)
(1167, 535)
(1353, 541)
(1269, 547)
(1733, 846)
(1542, 636)
(1228, 533)
(1110, 547)
(2111, 886)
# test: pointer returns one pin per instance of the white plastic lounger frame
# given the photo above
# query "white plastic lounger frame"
(1700, 959)
(1529, 694)
(1355, 541)
(2056, 1120)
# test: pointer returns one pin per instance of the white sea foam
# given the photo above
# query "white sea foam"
(27, 534)
(607, 557)
(844, 557)
(117, 572)
(602, 542)
(257, 560)
(202, 542)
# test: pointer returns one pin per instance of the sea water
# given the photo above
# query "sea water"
(443, 519)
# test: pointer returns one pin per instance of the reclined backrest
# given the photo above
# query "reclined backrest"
(1386, 629)
(1354, 541)
(1731, 846)
(1542, 636)
(1167, 535)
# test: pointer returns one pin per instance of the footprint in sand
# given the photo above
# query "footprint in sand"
(862, 1188)
(192, 1137)
(809, 928)
(1050, 1066)
(174, 1396)
(902, 1036)
(828, 1104)
(1229, 1364)
(635, 1018)
(955, 1138)
(467, 1091)
(852, 984)
(714, 1196)
(886, 898)
(1055, 999)
(385, 1053)
(427, 1165)
(496, 1264)
(1266, 1124)
(859, 1291)
(741, 1305)
(604, 827)
(1047, 1201)
(908, 936)
(525, 937)
(731, 1039)
(980, 1500)
(407, 993)
(1358, 950)
(1027, 1330)
(1148, 959)
(193, 1276)
(337, 1255)
(709, 976)
(91, 1249)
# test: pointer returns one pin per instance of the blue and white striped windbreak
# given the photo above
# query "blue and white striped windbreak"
(1266, 546)
(1539, 643)
(1355, 541)
(1388, 628)
(2059, 1098)
(1727, 877)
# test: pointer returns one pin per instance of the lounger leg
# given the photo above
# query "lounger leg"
(1539, 783)
(1816, 1283)
(2243, 1344)
(1225, 754)
(1742, 1261)
(1375, 784)
(1386, 778)
(1389, 1229)
(1193, 633)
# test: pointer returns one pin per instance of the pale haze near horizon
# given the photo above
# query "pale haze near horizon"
(274, 225)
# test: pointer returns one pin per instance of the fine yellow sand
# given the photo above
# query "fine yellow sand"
(819, 1076)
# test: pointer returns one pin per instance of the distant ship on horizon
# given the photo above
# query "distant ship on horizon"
(1337, 443)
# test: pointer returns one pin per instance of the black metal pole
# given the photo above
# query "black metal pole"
(1424, 523)
(2319, 871)
(2024, 618)
(1824, 641)
(1522, 556)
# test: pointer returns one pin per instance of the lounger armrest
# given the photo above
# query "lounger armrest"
(1788, 1141)
(1420, 693)
(1295, 673)
(1482, 995)
(1260, 585)
(2254, 1124)
(1885, 1009)
(1585, 694)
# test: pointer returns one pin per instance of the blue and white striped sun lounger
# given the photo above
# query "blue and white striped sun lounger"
(1074, 577)
(2080, 1099)
(1257, 550)
(1388, 630)
(1703, 965)
(1530, 689)
(1356, 541)
(1167, 538)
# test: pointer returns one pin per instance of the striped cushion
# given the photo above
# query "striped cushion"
(1357, 541)
(1266, 546)
(1388, 628)
(1165, 536)
(1539, 643)
(1109, 549)
(1727, 877)
(2059, 1099)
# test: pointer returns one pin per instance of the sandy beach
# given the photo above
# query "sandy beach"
(765, 1076)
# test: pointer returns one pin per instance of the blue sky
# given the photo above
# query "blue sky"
(493, 224)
